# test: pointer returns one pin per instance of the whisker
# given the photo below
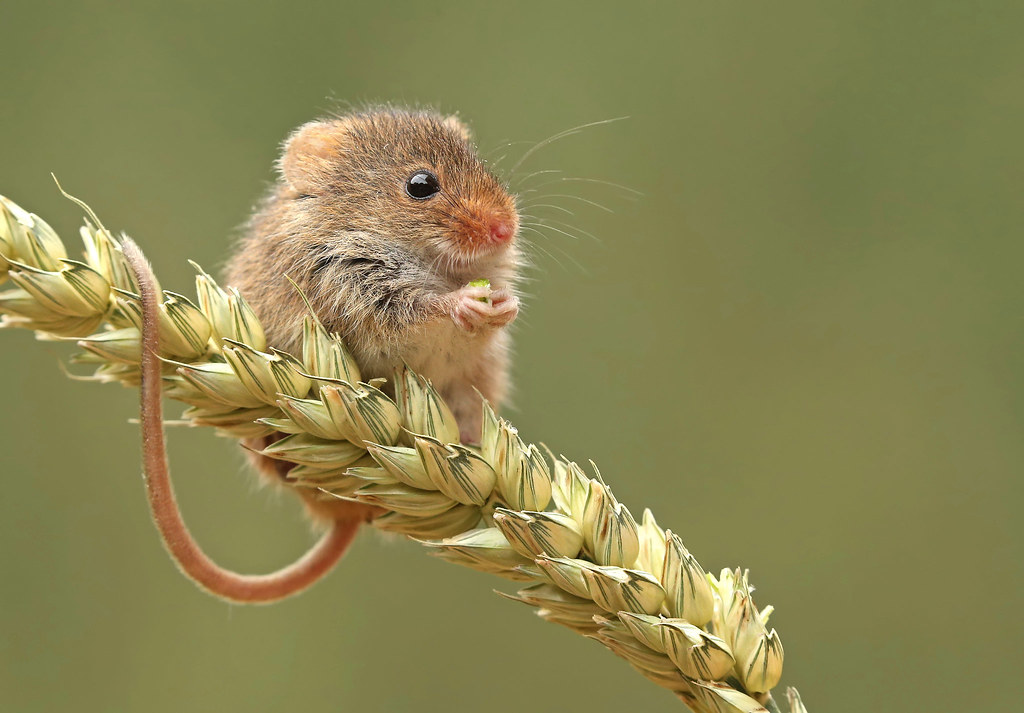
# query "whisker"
(580, 231)
(523, 179)
(557, 230)
(530, 245)
(497, 162)
(534, 206)
(504, 144)
(562, 135)
(449, 200)
(536, 247)
(505, 148)
(598, 181)
(595, 204)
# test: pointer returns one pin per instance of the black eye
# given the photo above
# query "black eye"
(421, 185)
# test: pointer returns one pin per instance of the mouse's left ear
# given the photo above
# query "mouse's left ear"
(455, 124)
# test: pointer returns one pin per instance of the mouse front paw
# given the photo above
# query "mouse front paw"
(475, 308)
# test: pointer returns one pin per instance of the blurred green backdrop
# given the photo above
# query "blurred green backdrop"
(802, 344)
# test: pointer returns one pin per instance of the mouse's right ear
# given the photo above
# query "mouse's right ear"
(309, 154)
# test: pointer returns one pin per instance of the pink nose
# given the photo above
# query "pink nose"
(501, 230)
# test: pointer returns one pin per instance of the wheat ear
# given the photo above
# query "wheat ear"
(504, 507)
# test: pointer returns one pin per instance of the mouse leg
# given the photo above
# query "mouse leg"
(481, 312)
(467, 407)
(183, 548)
(487, 378)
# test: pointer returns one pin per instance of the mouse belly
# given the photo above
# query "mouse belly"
(457, 363)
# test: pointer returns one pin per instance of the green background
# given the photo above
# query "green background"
(801, 344)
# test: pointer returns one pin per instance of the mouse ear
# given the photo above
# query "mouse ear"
(455, 124)
(309, 154)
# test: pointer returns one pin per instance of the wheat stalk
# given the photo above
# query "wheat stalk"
(503, 507)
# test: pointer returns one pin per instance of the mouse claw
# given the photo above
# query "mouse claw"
(477, 307)
(504, 308)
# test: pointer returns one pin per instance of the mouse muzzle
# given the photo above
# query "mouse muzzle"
(486, 230)
(501, 230)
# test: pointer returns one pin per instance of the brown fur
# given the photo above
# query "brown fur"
(385, 271)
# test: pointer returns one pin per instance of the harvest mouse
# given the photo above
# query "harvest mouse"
(382, 218)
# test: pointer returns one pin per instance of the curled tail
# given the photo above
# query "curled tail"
(243, 588)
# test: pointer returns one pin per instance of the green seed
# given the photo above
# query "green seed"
(482, 282)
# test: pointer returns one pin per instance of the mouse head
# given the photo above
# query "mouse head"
(411, 177)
